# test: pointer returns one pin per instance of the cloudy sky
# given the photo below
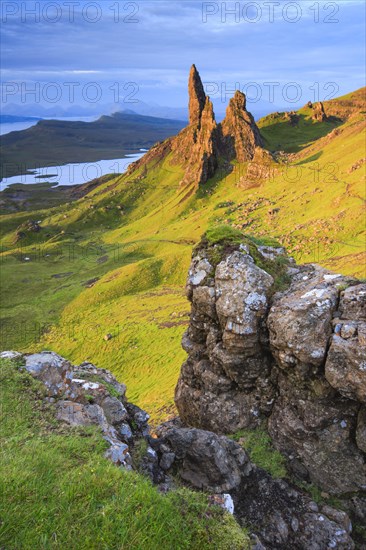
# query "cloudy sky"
(94, 56)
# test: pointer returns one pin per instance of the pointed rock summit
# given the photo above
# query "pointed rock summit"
(197, 96)
(204, 145)
(197, 146)
(239, 130)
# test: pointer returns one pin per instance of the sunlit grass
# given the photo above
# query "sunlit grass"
(59, 492)
(132, 247)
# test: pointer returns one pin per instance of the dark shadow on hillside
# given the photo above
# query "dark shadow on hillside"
(312, 158)
(281, 135)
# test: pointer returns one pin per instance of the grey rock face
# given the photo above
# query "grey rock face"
(296, 358)
(224, 384)
(286, 518)
(77, 414)
(353, 303)
(54, 371)
(281, 515)
(167, 460)
(114, 410)
(345, 368)
(300, 321)
(84, 399)
(316, 434)
(311, 422)
(119, 455)
(361, 430)
(207, 461)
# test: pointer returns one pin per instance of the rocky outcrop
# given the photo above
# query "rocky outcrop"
(319, 112)
(286, 518)
(240, 133)
(204, 144)
(27, 228)
(262, 166)
(293, 360)
(84, 396)
(207, 461)
(197, 146)
(197, 97)
(292, 117)
(312, 421)
(280, 515)
(224, 381)
(345, 367)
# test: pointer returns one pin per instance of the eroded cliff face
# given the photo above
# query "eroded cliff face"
(197, 97)
(319, 112)
(293, 360)
(240, 133)
(196, 147)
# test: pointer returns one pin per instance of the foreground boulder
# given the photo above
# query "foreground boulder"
(87, 396)
(293, 360)
(280, 514)
(206, 460)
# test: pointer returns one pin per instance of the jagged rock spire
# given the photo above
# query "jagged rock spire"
(201, 145)
(204, 145)
(240, 132)
(197, 96)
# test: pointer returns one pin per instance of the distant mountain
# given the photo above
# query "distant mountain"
(9, 119)
(57, 111)
(55, 142)
(258, 109)
(147, 109)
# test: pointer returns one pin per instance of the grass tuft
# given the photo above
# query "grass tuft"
(258, 445)
(223, 234)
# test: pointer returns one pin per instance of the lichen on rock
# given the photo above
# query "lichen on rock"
(294, 361)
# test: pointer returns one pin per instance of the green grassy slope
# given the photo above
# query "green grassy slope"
(59, 492)
(116, 260)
